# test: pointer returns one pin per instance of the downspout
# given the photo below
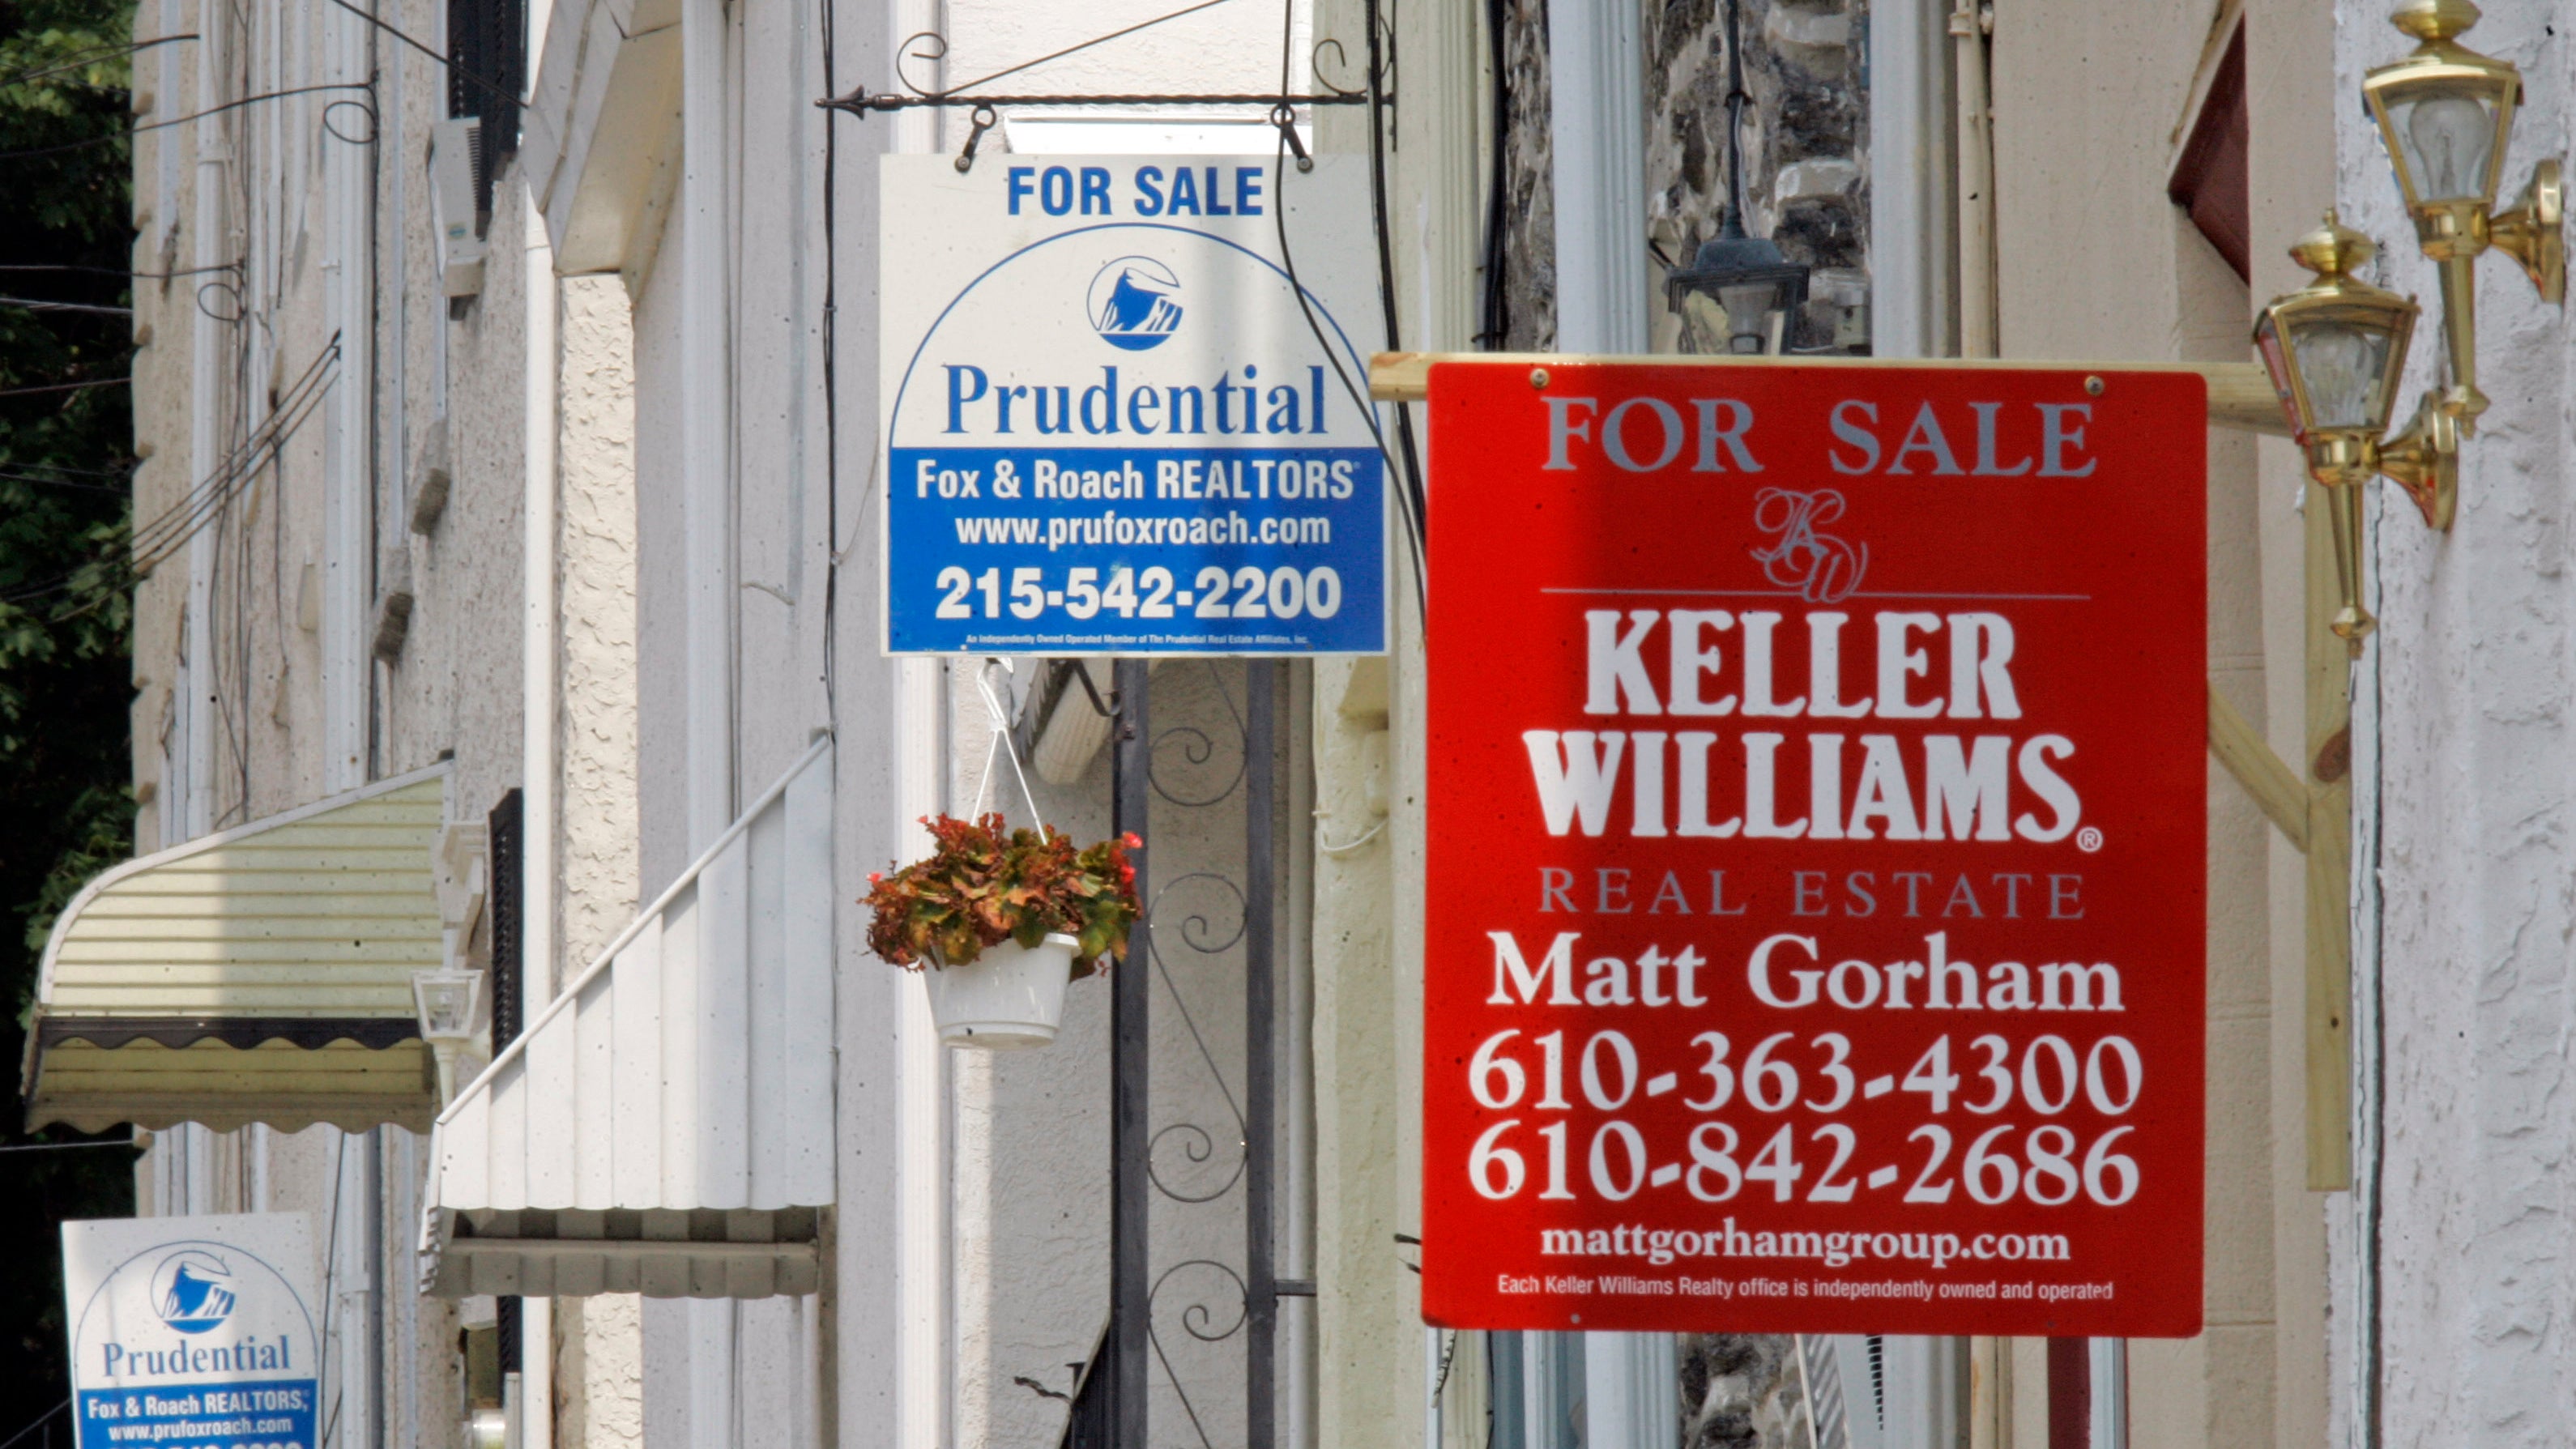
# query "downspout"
(707, 556)
(706, 408)
(537, 756)
(196, 639)
(1970, 22)
(359, 457)
(1990, 1391)
(350, 540)
(373, 1285)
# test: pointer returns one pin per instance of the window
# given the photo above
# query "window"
(487, 52)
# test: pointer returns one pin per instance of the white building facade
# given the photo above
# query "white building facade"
(512, 513)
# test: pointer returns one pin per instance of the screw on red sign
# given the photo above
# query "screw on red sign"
(1817, 837)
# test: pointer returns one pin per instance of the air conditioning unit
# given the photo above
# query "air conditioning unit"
(454, 151)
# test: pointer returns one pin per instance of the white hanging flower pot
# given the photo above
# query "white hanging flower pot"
(1010, 996)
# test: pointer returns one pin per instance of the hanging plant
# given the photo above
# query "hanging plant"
(983, 885)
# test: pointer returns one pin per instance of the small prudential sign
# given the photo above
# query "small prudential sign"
(1123, 402)
(193, 1331)
(1817, 850)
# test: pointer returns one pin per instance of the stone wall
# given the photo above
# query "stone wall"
(1529, 214)
(1740, 1391)
(1806, 171)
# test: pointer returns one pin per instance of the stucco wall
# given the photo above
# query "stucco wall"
(600, 1365)
(2465, 696)
(457, 683)
(597, 602)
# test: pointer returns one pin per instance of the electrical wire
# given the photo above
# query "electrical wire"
(1408, 511)
(64, 386)
(157, 541)
(1386, 275)
(1347, 846)
(126, 471)
(17, 477)
(34, 1423)
(1496, 333)
(38, 304)
(91, 57)
(1060, 54)
(490, 88)
(130, 132)
(118, 272)
(122, 273)
(68, 1146)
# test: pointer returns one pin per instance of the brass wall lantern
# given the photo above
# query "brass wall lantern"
(2445, 114)
(2335, 349)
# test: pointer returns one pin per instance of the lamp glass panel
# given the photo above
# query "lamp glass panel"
(2448, 133)
(446, 1007)
(2344, 362)
(2267, 339)
(1748, 315)
(1704, 322)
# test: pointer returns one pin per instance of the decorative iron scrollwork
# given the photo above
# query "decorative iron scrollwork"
(1198, 934)
(928, 46)
(1196, 749)
(1196, 1317)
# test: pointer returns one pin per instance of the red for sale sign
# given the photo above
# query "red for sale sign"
(1816, 850)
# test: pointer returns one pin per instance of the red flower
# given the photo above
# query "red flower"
(1132, 840)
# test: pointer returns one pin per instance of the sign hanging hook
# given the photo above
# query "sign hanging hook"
(1284, 116)
(985, 119)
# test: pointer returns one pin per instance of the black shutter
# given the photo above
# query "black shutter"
(502, 896)
(487, 50)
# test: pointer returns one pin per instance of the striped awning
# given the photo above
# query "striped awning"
(664, 1128)
(261, 974)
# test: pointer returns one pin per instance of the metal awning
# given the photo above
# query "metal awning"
(665, 1127)
(262, 974)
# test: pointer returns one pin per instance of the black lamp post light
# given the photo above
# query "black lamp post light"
(1739, 293)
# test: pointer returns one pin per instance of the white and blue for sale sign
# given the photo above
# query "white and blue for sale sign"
(193, 1332)
(1120, 418)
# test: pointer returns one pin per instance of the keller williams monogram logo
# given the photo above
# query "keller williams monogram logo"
(1822, 568)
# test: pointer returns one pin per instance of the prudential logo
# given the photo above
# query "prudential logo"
(192, 1290)
(1133, 303)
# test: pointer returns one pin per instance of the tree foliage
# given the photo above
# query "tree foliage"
(65, 468)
